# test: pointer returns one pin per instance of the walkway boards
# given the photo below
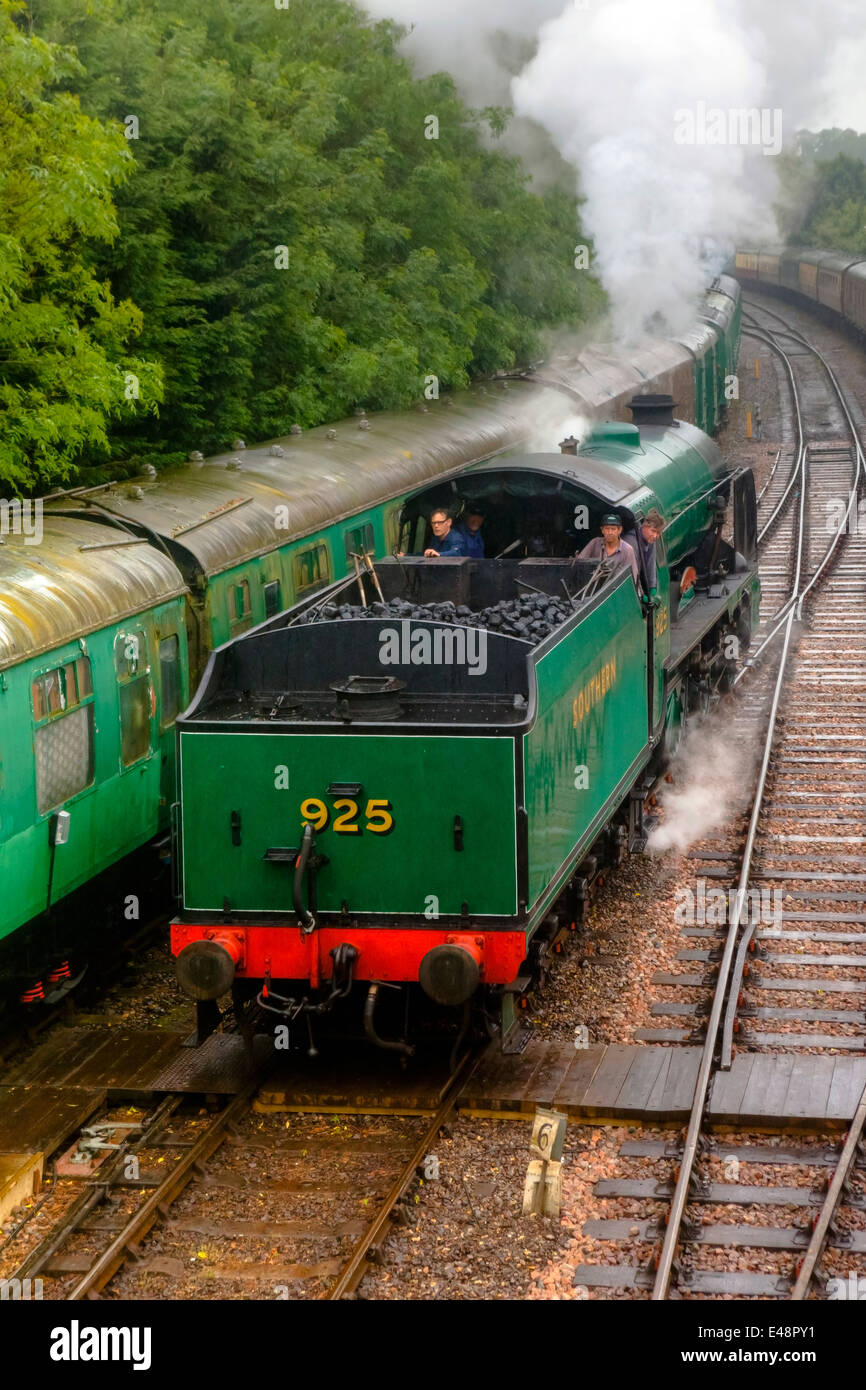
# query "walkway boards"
(656, 1085)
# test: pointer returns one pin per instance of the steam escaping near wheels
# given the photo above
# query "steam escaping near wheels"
(713, 774)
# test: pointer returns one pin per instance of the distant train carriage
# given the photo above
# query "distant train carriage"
(834, 280)
(789, 270)
(746, 264)
(808, 273)
(831, 273)
(854, 295)
(769, 267)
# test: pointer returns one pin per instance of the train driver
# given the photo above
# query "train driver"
(611, 546)
(446, 540)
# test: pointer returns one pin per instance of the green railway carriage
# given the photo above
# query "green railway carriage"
(240, 538)
(93, 672)
(417, 785)
(255, 530)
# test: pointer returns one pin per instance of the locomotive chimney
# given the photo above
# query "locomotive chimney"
(569, 445)
(652, 410)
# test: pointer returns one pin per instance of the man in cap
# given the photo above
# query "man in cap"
(610, 546)
(470, 530)
(643, 543)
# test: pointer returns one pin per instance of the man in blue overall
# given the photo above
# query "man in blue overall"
(470, 530)
(446, 541)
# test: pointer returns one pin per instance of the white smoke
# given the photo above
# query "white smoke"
(713, 776)
(612, 82)
(608, 84)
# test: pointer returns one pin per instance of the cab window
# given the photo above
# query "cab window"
(310, 568)
(135, 693)
(63, 714)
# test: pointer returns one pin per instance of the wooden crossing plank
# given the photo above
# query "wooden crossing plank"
(639, 1081)
(778, 1070)
(105, 1058)
(622, 1082)
(846, 1087)
(579, 1077)
(654, 1101)
(501, 1081)
(551, 1072)
(679, 1083)
(729, 1087)
(808, 1096)
(601, 1093)
(799, 1084)
(38, 1119)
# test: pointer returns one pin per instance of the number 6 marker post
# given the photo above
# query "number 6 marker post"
(542, 1191)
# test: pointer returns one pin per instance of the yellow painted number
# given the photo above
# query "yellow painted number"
(344, 824)
(661, 621)
(379, 818)
(316, 812)
(378, 814)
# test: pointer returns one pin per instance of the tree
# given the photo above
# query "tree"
(64, 367)
(300, 236)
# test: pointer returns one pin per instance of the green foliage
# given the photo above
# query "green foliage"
(304, 129)
(63, 337)
(824, 191)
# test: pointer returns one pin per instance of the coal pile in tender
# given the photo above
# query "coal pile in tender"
(532, 617)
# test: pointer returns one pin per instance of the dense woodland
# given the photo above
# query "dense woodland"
(227, 219)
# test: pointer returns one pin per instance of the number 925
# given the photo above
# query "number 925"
(378, 816)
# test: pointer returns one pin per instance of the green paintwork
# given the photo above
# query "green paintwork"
(428, 780)
(218, 524)
(607, 741)
(120, 810)
(279, 565)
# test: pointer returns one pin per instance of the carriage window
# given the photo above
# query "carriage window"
(169, 676)
(136, 695)
(242, 604)
(273, 598)
(358, 539)
(63, 711)
(310, 567)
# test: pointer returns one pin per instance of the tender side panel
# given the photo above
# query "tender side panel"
(590, 730)
(391, 846)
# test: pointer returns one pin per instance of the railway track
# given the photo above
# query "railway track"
(327, 1195)
(792, 983)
